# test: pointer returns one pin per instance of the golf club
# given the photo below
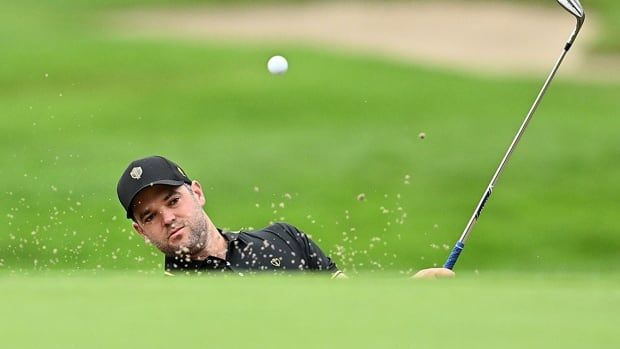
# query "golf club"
(575, 8)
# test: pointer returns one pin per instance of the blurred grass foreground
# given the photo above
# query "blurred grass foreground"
(122, 311)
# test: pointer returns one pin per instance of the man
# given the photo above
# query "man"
(167, 210)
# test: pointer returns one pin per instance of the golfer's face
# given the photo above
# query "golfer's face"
(164, 214)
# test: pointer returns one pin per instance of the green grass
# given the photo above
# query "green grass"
(486, 311)
(77, 106)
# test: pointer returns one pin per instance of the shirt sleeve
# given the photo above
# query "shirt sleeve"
(315, 258)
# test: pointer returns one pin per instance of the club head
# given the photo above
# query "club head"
(575, 8)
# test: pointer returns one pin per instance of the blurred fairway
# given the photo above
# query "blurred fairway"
(77, 105)
(129, 311)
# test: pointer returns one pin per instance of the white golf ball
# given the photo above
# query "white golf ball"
(277, 65)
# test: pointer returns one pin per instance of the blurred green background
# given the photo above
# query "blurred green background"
(77, 105)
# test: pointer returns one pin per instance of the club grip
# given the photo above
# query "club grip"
(454, 255)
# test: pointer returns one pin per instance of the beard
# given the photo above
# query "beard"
(197, 236)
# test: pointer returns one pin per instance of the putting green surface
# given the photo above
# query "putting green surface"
(107, 310)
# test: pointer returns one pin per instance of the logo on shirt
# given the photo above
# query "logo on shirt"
(136, 172)
(275, 262)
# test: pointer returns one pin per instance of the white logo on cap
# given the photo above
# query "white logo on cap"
(136, 172)
(184, 175)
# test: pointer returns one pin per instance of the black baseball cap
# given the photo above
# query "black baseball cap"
(147, 172)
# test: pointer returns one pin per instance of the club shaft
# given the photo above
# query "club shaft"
(513, 145)
(487, 194)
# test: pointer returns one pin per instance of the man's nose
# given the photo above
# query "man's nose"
(168, 216)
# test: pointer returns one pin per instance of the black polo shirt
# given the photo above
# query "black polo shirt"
(278, 248)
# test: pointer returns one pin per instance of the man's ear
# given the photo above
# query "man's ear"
(138, 229)
(198, 193)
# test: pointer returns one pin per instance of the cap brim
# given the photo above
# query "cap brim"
(170, 182)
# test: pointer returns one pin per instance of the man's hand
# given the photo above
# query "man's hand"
(434, 273)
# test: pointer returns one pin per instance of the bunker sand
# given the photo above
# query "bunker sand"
(488, 38)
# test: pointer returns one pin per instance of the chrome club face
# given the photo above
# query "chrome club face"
(574, 7)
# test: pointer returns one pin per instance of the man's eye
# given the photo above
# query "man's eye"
(148, 218)
(174, 201)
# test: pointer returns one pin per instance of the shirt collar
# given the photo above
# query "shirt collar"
(235, 241)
